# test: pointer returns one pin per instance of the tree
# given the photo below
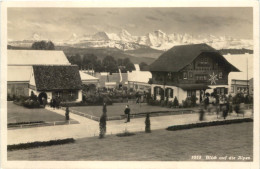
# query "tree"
(76, 60)
(130, 66)
(143, 65)
(89, 61)
(43, 45)
(109, 64)
(175, 102)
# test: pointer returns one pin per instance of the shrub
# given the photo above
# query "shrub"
(147, 123)
(193, 100)
(31, 103)
(102, 125)
(163, 103)
(169, 104)
(39, 144)
(175, 102)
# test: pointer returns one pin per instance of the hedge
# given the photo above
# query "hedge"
(206, 124)
(39, 144)
(32, 122)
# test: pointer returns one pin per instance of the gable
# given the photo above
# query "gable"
(179, 57)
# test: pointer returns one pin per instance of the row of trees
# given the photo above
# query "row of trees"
(108, 64)
(43, 45)
(90, 61)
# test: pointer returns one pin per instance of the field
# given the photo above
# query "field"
(160, 145)
(16, 114)
(118, 109)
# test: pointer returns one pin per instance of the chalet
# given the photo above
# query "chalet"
(47, 73)
(188, 70)
(56, 81)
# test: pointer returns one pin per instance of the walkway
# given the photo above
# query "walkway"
(90, 128)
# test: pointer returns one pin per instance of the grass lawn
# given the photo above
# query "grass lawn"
(118, 109)
(17, 114)
(160, 145)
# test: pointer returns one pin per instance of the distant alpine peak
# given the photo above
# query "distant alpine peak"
(156, 39)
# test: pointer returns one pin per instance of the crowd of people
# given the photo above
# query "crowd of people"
(222, 106)
(55, 102)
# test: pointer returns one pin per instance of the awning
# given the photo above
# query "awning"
(194, 86)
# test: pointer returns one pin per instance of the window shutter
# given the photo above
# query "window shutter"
(171, 93)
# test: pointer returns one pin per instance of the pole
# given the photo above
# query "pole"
(247, 75)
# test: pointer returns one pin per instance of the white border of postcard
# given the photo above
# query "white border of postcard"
(125, 164)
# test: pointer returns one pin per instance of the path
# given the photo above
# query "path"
(90, 128)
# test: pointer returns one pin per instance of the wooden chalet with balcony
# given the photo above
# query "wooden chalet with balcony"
(188, 70)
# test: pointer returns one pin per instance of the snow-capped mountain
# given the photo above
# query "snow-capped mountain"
(157, 40)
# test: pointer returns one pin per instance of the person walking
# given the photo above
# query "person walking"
(44, 102)
(206, 102)
(54, 103)
(127, 113)
(105, 109)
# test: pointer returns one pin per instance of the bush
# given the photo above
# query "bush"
(31, 104)
(170, 104)
(102, 125)
(147, 123)
(163, 103)
(39, 144)
(175, 102)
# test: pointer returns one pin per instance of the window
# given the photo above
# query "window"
(184, 75)
(191, 93)
(232, 89)
(190, 75)
(170, 93)
(201, 77)
(57, 94)
(72, 93)
(220, 75)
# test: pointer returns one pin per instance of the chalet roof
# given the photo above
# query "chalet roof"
(36, 57)
(178, 57)
(49, 78)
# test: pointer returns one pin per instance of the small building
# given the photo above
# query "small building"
(238, 80)
(239, 86)
(188, 70)
(56, 82)
(112, 80)
(88, 79)
(139, 80)
(47, 73)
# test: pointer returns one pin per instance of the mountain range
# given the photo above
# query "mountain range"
(157, 40)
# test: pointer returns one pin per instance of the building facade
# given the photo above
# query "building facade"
(190, 70)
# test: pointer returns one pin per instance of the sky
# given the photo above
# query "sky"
(61, 23)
